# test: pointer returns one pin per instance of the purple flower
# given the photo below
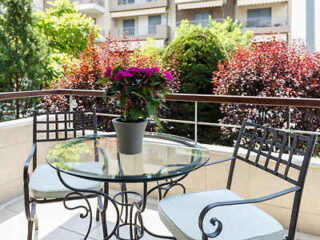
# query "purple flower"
(117, 76)
(147, 71)
(155, 70)
(168, 76)
(108, 72)
(134, 70)
(125, 74)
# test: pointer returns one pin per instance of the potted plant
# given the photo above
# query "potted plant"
(138, 92)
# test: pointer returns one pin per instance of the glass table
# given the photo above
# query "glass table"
(165, 160)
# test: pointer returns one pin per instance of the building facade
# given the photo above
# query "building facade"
(158, 19)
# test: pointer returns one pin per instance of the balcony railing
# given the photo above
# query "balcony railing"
(282, 21)
(127, 2)
(99, 2)
(189, 98)
(203, 23)
(154, 31)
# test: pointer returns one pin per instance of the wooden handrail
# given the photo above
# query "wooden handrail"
(205, 98)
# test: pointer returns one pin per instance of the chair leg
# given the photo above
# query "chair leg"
(30, 230)
(36, 223)
(97, 215)
(104, 224)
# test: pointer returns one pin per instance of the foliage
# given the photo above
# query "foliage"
(227, 32)
(65, 29)
(198, 51)
(90, 68)
(270, 69)
(138, 92)
(23, 54)
(149, 48)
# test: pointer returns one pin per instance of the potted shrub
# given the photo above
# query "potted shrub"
(138, 92)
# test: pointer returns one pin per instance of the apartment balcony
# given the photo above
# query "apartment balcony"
(130, 5)
(196, 4)
(266, 25)
(69, 220)
(134, 33)
(202, 23)
(90, 6)
(255, 2)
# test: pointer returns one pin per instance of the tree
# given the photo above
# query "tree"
(23, 55)
(269, 69)
(198, 51)
(66, 30)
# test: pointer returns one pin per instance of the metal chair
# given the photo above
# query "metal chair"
(222, 214)
(43, 185)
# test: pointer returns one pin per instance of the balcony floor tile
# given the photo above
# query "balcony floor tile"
(55, 222)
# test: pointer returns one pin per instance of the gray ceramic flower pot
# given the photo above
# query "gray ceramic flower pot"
(129, 135)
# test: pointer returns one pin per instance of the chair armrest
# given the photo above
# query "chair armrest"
(27, 164)
(219, 161)
(215, 222)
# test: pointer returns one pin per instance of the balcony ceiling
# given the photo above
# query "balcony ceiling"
(191, 4)
(141, 12)
(90, 8)
(254, 2)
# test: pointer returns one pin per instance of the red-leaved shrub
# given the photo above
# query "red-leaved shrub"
(90, 69)
(269, 69)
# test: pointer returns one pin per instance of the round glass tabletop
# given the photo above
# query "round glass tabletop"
(163, 156)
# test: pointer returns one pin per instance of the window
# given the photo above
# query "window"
(153, 22)
(202, 18)
(95, 21)
(129, 26)
(259, 17)
(125, 2)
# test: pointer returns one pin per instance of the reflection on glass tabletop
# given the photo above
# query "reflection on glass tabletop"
(96, 157)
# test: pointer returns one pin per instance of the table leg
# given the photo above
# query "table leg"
(133, 211)
(82, 194)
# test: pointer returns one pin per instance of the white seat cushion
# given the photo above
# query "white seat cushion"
(180, 214)
(44, 182)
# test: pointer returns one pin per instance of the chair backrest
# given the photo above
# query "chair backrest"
(61, 126)
(283, 154)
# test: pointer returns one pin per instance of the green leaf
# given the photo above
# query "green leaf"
(155, 83)
(151, 109)
(158, 122)
(122, 100)
(134, 114)
(139, 95)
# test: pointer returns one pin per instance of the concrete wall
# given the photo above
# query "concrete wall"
(298, 19)
(15, 146)
(317, 9)
(299, 23)
(38, 4)
(16, 141)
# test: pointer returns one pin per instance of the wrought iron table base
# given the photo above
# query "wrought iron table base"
(129, 215)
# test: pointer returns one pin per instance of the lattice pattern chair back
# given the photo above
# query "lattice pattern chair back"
(283, 154)
(61, 126)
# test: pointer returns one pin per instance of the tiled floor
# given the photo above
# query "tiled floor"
(57, 223)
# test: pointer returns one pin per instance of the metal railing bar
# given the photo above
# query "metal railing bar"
(211, 124)
(195, 123)
(27, 94)
(181, 97)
